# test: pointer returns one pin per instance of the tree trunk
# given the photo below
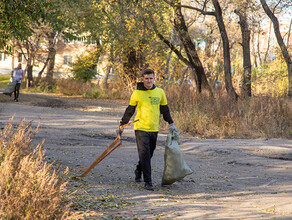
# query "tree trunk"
(29, 65)
(226, 51)
(130, 64)
(265, 61)
(167, 73)
(105, 78)
(190, 49)
(140, 56)
(281, 43)
(172, 73)
(42, 70)
(289, 32)
(245, 35)
(31, 46)
(110, 68)
(29, 69)
(134, 63)
(167, 67)
(255, 63)
(258, 48)
(51, 56)
(97, 52)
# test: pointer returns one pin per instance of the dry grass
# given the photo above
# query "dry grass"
(29, 187)
(116, 90)
(72, 87)
(258, 117)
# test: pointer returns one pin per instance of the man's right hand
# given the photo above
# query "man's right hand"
(119, 131)
(172, 126)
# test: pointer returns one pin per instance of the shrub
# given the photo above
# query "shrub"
(29, 187)
(271, 79)
(84, 68)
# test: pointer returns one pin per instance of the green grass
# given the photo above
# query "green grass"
(4, 80)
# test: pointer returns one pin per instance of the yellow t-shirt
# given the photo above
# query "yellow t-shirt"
(148, 108)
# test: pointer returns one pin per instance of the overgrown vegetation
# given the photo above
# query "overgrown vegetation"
(259, 117)
(266, 115)
(29, 187)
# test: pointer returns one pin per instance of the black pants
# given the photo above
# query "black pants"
(16, 90)
(146, 144)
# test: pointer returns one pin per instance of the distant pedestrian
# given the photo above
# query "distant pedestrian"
(150, 102)
(17, 75)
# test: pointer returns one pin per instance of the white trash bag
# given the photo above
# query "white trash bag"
(175, 167)
(10, 87)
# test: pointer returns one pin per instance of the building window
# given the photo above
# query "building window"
(3, 56)
(68, 41)
(67, 59)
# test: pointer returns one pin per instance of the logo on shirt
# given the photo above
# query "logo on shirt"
(154, 100)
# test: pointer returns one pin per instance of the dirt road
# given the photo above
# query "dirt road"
(232, 179)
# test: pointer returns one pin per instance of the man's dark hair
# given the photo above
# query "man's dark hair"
(147, 71)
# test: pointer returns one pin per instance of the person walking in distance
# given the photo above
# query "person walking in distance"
(17, 75)
(150, 101)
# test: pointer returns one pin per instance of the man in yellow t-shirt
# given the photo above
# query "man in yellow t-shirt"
(150, 102)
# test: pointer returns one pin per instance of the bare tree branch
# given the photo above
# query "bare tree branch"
(191, 7)
(274, 8)
(170, 45)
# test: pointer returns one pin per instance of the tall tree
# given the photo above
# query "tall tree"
(226, 51)
(226, 47)
(29, 49)
(24, 22)
(192, 61)
(58, 25)
(16, 18)
(190, 49)
(281, 43)
(245, 38)
(117, 30)
(51, 36)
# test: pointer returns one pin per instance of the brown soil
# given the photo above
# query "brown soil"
(232, 178)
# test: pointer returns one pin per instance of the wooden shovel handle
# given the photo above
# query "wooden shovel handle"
(107, 151)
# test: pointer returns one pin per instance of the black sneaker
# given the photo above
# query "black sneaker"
(149, 186)
(138, 175)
